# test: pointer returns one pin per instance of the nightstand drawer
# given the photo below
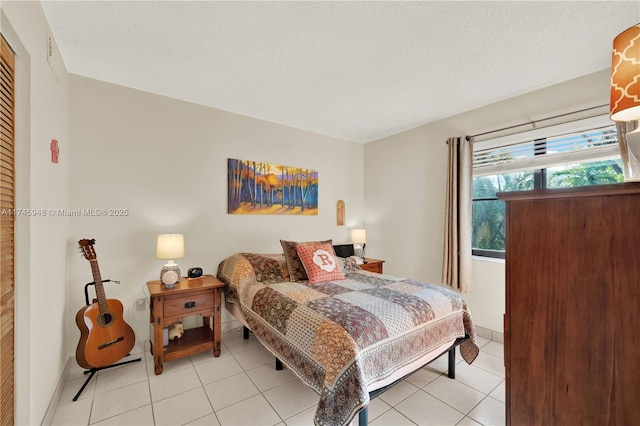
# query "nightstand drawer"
(186, 305)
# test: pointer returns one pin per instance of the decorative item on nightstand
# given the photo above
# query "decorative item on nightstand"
(624, 105)
(169, 247)
(359, 239)
(195, 272)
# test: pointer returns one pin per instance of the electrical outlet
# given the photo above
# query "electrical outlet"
(140, 304)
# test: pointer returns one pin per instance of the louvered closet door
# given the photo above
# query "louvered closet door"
(6, 233)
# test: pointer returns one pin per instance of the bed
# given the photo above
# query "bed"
(350, 337)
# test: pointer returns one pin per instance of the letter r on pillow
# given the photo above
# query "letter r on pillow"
(324, 260)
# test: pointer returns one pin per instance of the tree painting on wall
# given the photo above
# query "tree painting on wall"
(256, 187)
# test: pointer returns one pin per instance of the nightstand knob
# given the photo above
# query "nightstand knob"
(190, 305)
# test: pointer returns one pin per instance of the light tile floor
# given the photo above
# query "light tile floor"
(242, 387)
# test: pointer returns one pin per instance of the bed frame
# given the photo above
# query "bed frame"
(363, 415)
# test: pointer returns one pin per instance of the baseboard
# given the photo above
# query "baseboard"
(230, 325)
(55, 399)
(67, 374)
(489, 334)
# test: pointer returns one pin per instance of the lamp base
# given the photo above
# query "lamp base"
(631, 161)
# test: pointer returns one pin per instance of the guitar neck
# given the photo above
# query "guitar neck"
(97, 279)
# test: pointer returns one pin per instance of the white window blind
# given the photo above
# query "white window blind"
(579, 141)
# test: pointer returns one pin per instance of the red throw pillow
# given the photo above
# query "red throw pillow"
(294, 265)
(320, 263)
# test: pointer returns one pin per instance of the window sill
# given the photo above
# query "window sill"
(487, 259)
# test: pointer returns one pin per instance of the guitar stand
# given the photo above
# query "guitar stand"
(94, 370)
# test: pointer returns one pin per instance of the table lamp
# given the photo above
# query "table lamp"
(169, 247)
(359, 239)
(624, 104)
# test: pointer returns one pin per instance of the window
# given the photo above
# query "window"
(574, 154)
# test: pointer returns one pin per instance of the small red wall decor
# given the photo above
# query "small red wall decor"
(55, 150)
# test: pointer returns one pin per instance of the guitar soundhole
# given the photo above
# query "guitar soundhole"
(105, 320)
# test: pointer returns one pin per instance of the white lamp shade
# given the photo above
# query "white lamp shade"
(359, 236)
(170, 246)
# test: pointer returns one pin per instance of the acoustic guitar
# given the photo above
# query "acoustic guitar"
(105, 337)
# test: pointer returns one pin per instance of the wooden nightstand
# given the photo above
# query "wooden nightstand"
(190, 296)
(372, 265)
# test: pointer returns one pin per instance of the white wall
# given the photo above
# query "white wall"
(41, 242)
(405, 176)
(166, 162)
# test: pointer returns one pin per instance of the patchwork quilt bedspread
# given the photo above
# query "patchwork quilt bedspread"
(341, 336)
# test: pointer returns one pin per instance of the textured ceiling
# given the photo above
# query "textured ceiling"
(354, 70)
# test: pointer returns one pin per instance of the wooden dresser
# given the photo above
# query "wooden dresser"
(572, 321)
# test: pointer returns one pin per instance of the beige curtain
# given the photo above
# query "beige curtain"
(456, 267)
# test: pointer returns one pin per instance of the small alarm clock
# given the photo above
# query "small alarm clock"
(194, 272)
